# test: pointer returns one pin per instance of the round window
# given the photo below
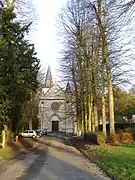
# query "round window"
(55, 106)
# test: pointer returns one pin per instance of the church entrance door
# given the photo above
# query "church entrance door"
(55, 126)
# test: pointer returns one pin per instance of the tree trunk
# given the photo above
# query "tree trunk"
(108, 69)
(96, 117)
(4, 136)
(89, 112)
(103, 113)
(111, 103)
(92, 117)
(30, 123)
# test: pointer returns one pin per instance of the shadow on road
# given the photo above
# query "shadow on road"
(48, 166)
(34, 170)
(20, 147)
(64, 146)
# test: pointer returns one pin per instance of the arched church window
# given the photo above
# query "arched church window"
(55, 106)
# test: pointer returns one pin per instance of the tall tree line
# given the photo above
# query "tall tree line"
(91, 59)
(19, 67)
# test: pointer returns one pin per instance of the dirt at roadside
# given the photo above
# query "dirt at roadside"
(15, 150)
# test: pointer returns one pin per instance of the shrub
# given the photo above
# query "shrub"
(128, 137)
(113, 139)
(125, 137)
(120, 136)
(131, 130)
(101, 139)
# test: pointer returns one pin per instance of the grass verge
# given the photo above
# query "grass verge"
(119, 161)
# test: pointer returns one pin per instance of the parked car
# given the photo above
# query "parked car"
(29, 134)
(45, 131)
(39, 132)
(42, 131)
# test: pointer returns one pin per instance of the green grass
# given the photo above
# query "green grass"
(118, 160)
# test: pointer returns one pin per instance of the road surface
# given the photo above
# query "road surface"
(52, 159)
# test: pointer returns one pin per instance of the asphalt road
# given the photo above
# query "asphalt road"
(52, 159)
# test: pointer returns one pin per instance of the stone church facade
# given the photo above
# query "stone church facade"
(56, 112)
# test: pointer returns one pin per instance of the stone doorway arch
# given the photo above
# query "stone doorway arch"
(55, 122)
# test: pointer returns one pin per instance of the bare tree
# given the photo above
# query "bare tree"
(92, 58)
(41, 77)
(79, 61)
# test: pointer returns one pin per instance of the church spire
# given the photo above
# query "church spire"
(48, 79)
(68, 88)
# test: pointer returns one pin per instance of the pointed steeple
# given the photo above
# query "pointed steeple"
(48, 79)
(68, 88)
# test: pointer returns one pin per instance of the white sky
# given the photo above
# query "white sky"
(45, 34)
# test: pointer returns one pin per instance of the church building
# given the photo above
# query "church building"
(56, 112)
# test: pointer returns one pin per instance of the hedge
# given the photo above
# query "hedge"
(95, 137)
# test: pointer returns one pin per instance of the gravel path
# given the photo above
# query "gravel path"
(52, 160)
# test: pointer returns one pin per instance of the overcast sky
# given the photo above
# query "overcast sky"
(45, 34)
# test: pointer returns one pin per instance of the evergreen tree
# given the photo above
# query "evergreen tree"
(18, 65)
